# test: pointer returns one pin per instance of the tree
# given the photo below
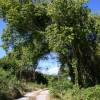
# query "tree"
(72, 33)
(24, 32)
(64, 26)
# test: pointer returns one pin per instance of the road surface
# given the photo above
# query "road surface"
(36, 95)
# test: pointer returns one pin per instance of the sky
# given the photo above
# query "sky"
(94, 5)
(51, 64)
(2, 26)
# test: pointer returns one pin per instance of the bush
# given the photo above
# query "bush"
(91, 93)
(58, 87)
(7, 83)
(64, 90)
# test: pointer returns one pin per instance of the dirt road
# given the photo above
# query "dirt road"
(36, 95)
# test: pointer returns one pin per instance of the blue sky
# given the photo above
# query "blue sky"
(94, 5)
(2, 25)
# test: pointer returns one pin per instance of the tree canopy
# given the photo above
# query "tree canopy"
(64, 26)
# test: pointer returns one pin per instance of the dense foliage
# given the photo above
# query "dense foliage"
(72, 33)
(92, 93)
(35, 28)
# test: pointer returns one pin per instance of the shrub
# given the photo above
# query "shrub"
(58, 87)
(7, 83)
(91, 93)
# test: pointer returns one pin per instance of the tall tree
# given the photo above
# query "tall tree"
(72, 33)
(24, 32)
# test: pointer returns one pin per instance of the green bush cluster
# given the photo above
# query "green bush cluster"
(64, 90)
(91, 93)
(8, 83)
(59, 86)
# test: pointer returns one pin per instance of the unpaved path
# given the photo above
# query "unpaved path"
(36, 95)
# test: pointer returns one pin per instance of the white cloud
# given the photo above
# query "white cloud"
(53, 70)
(50, 71)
